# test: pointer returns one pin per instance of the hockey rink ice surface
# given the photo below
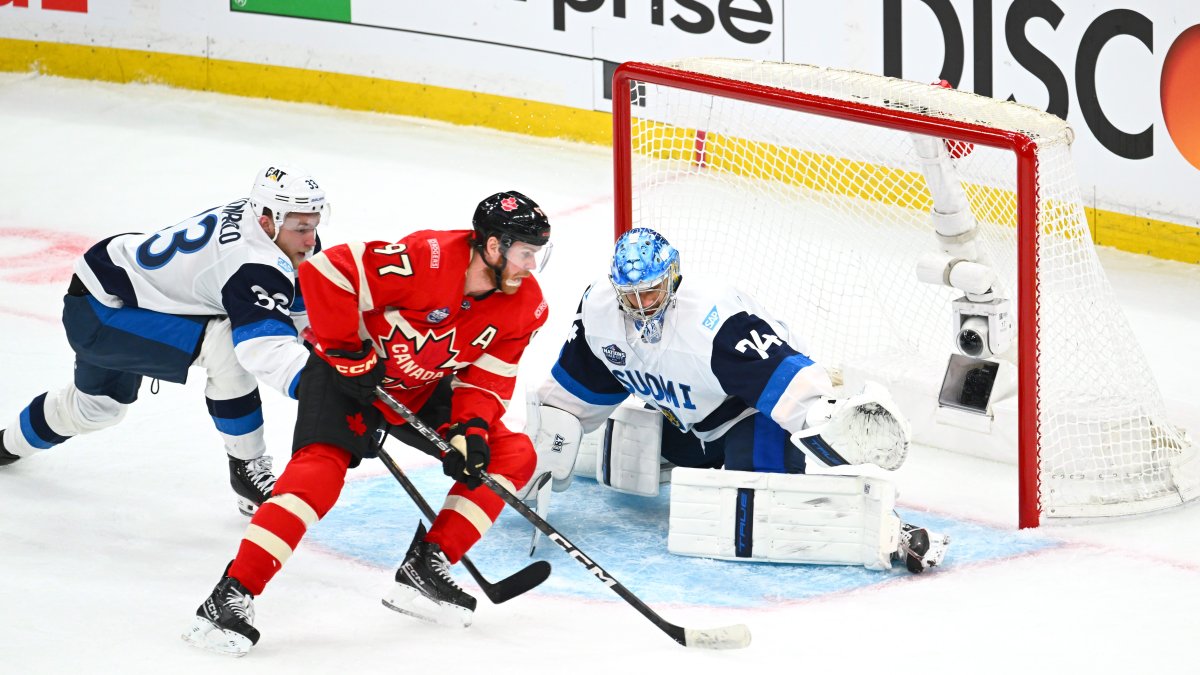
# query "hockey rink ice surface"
(109, 542)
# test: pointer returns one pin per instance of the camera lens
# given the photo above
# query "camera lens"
(970, 342)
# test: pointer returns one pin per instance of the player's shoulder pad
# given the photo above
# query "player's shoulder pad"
(598, 298)
(437, 249)
(533, 306)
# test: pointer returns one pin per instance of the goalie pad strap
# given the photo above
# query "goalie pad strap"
(784, 518)
(631, 458)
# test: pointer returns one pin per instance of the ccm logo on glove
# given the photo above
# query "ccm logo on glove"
(358, 368)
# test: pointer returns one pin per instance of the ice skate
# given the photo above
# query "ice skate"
(424, 588)
(223, 621)
(921, 549)
(253, 481)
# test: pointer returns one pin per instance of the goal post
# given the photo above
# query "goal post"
(818, 191)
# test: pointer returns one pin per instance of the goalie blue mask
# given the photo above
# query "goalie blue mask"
(645, 275)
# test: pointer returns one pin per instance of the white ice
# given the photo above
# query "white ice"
(108, 543)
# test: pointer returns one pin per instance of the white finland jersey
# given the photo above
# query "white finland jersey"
(721, 358)
(217, 263)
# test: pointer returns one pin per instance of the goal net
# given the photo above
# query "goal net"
(819, 191)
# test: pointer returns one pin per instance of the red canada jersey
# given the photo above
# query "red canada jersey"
(407, 298)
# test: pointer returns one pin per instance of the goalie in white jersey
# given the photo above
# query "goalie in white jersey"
(217, 291)
(737, 391)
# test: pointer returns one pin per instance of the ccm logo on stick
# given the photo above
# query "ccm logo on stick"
(591, 566)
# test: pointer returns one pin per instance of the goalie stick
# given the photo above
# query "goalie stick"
(525, 579)
(725, 637)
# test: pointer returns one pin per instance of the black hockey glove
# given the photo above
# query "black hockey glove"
(360, 371)
(470, 455)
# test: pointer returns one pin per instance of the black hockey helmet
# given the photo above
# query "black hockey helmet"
(510, 216)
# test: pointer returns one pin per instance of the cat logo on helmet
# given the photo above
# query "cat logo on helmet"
(509, 203)
(275, 174)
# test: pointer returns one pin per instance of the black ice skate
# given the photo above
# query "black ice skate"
(6, 457)
(253, 481)
(920, 548)
(424, 588)
(223, 622)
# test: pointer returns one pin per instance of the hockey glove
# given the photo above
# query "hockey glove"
(471, 454)
(360, 371)
(865, 428)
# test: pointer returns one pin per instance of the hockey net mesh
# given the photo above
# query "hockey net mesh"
(823, 220)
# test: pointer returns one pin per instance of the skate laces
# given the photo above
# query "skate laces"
(441, 565)
(258, 472)
(241, 604)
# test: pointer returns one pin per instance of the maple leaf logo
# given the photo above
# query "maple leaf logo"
(428, 346)
(355, 424)
(509, 203)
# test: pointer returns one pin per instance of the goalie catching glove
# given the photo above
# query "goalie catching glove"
(471, 454)
(867, 428)
(361, 371)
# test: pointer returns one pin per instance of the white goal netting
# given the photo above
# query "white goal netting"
(823, 220)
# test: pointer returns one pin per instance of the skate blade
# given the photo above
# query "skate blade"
(208, 636)
(408, 600)
(246, 506)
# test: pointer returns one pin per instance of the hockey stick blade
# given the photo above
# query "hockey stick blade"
(736, 636)
(525, 579)
(728, 637)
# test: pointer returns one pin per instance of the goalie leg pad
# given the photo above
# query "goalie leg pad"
(556, 435)
(631, 459)
(783, 518)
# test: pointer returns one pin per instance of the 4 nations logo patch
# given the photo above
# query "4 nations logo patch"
(614, 355)
(438, 315)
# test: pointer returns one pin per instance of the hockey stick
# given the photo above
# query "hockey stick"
(726, 637)
(525, 579)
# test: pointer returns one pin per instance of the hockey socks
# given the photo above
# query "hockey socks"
(304, 493)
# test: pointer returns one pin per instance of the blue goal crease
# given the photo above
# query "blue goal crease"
(374, 522)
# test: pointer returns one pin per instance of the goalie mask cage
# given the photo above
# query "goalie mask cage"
(802, 186)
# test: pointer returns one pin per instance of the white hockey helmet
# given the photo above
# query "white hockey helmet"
(284, 189)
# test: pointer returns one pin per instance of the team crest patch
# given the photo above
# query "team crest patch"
(671, 417)
(713, 318)
(285, 265)
(438, 315)
(614, 354)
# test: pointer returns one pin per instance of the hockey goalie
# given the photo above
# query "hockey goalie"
(720, 384)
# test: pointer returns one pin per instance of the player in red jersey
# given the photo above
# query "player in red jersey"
(440, 319)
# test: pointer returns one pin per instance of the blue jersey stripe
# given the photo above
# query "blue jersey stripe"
(583, 393)
(34, 426)
(291, 392)
(263, 328)
(239, 426)
(180, 332)
(779, 381)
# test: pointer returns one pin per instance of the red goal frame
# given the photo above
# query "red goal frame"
(1029, 507)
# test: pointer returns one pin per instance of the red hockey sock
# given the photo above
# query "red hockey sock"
(304, 493)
